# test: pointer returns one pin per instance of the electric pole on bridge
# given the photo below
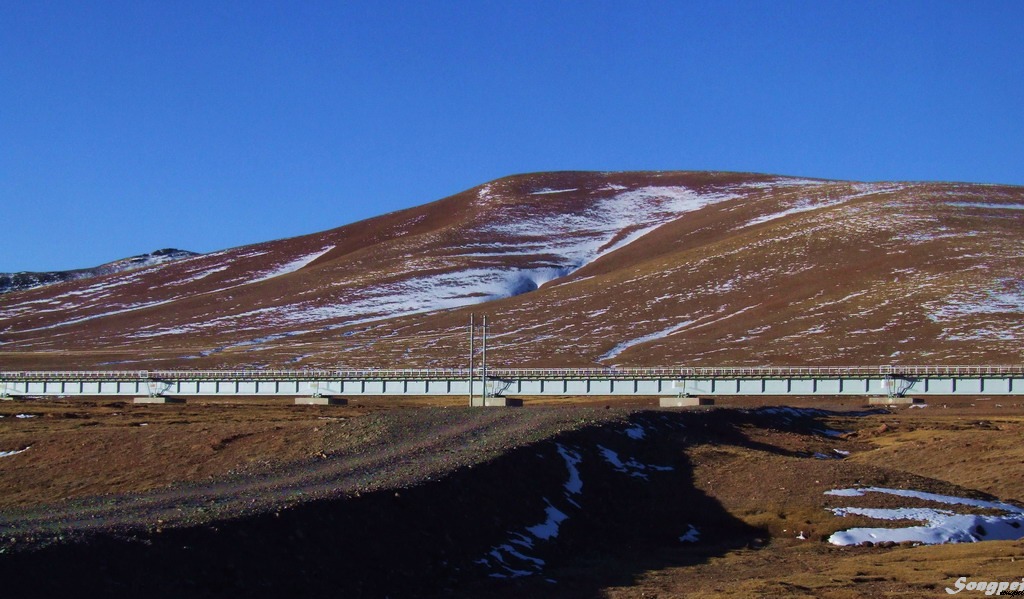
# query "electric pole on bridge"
(483, 367)
(471, 332)
(483, 359)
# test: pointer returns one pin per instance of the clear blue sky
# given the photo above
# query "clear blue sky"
(128, 126)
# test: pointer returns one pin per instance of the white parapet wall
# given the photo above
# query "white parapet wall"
(884, 381)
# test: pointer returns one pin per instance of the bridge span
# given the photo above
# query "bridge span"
(890, 380)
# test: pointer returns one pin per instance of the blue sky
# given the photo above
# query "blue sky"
(131, 126)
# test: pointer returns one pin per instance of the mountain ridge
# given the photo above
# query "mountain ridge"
(577, 268)
(20, 281)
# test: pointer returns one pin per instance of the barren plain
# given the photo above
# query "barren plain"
(567, 498)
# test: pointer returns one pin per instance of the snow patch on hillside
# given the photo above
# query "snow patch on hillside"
(939, 525)
(577, 239)
(508, 560)
(630, 466)
(801, 205)
(777, 183)
(621, 347)
(427, 293)
(986, 205)
(120, 310)
(292, 266)
(976, 310)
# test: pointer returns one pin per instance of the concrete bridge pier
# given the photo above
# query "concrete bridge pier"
(685, 402)
(157, 399)
(156, 393)
(893, 401)
(497, 402)
(321, 400)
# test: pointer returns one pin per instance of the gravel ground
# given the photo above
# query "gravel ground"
(384, 450)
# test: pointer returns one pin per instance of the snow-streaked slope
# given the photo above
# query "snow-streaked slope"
(578, 269)
(20, 281)
(511, 253)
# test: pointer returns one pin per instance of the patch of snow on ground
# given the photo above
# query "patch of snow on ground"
(541, 192)
(512, 562)
(986, 205)
(807, 204)
(574, 485)
(692, 535)
(292, 266)
(5, 454)
(631, 466)
(636, 432)
(426, 293)
(621, 347)
(939, 525)
(24, 416)
(548, 529)
(122, 310)
(202, 274)
(485, 192)
(804, 205)
(776, 183)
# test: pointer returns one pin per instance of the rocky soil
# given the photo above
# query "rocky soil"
(404, 499)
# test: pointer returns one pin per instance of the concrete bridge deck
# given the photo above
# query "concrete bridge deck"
(891, 380)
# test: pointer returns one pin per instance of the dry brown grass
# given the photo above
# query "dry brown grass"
(760, 475)
(784, 496)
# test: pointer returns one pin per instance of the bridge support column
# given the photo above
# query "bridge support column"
(497, 402)
(685, 402)
(893, 401)
(321, 401)
(158, 399)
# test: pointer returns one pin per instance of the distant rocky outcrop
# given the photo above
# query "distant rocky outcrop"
(20, 281)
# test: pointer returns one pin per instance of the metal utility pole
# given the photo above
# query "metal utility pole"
(471, 333)
(483, 366)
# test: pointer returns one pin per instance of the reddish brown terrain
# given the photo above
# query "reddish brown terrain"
(576, 269)
(564, 498)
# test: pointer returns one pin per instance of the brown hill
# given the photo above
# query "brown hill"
(575, 269)
(17, 281)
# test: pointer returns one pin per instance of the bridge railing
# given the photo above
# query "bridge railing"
(675, 372)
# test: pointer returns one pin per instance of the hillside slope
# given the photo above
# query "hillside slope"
(19, 281)
(575, 269)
